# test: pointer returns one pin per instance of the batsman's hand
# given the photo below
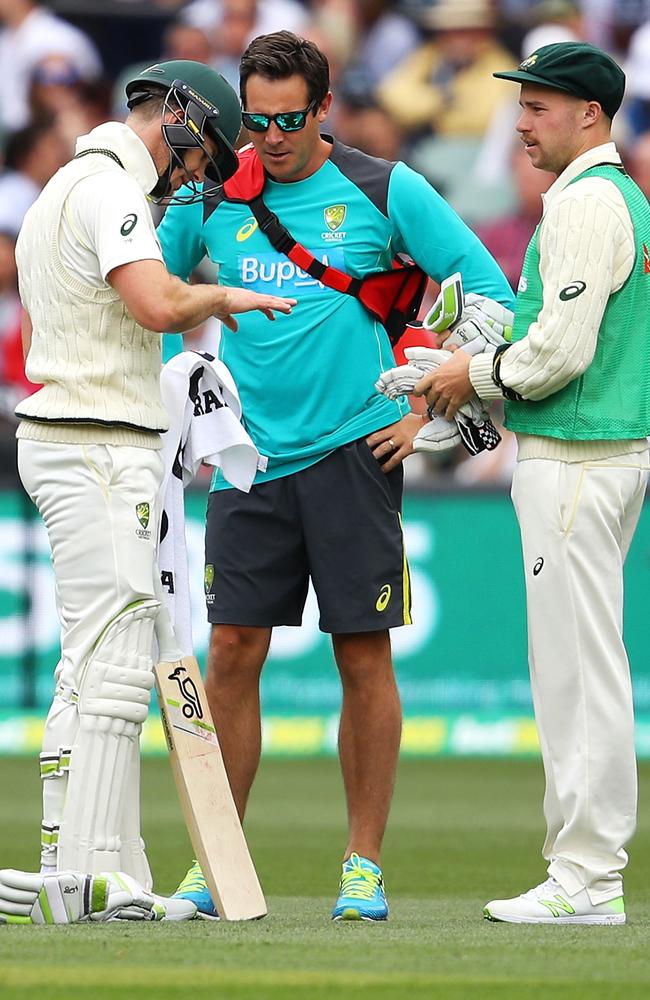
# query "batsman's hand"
(69, 897)
(240, 300)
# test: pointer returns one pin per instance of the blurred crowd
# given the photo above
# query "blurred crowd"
(412, 80)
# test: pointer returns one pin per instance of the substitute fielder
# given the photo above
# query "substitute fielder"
(97, 295)
(577, 388)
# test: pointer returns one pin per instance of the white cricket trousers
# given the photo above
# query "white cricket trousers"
(577, 521)
(103, 544)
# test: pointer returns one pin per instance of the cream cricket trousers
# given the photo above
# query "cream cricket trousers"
(577, 521)
(100, 505)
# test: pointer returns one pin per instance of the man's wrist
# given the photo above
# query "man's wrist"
(480, 375)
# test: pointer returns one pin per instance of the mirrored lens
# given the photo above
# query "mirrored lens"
(287, 121)
(256, 123)
(291, 121)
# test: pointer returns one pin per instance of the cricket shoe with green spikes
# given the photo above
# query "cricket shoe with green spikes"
(195, 889)
(549, 903)
(361, 892)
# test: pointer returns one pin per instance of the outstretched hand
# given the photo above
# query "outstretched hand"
(240, 300)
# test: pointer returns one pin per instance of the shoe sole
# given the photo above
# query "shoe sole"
(613, 918)
(351, 914)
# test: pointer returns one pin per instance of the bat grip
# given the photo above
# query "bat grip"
(168, 648)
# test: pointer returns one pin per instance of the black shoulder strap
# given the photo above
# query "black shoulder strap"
(104, 152)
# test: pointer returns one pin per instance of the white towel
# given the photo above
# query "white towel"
(204, 409)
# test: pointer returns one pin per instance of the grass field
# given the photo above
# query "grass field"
(461, 832)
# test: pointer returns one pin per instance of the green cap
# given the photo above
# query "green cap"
(207, 90)
(576, 68)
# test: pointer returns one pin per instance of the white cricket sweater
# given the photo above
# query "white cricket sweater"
(587, 234)
(100, 369)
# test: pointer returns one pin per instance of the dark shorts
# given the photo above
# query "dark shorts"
(337, 522)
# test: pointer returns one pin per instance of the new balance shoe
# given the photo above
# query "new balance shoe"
(548, 903)
(361, 892)
(195, 889)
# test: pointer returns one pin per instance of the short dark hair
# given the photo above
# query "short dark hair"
(283, 54)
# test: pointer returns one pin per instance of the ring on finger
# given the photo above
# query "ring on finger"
(392, 443)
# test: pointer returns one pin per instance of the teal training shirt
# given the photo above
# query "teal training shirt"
(307, 381)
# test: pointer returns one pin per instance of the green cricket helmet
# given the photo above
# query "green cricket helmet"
(202, 104)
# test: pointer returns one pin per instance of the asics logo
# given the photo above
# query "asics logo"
(572, 291)
(246, 230)
(384, 597)
(539, 565)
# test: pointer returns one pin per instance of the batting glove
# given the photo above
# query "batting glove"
(400, 381)
(67, 897)
(437, 435)
(483, 326)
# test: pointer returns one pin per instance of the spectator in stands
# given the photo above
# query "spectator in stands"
(187, 41)
(553, 21)
(446, 86)
(77, 106)
(507, 238)
(637, 106)
(270, 15)
(236, 28)
(638, 162)
(29, 33)
(13, 382)
(32, 155)
(384, 38)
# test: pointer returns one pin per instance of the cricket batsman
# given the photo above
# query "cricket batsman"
(97, 297)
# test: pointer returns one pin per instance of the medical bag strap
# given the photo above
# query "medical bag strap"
(393, 297)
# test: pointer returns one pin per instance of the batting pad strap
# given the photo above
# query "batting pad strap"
(49, 835)
(54, 765)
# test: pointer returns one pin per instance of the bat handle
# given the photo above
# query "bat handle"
(168, 648)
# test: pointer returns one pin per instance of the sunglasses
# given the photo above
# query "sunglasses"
(287, 121)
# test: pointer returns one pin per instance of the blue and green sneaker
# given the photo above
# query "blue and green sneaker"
(361, 892)
(195, 888)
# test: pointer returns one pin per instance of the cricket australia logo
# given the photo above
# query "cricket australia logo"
(208, 580)
(191, 707)
(527, 63)
(143, 513)
(334, 217)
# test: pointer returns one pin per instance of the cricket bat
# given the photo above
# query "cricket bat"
(206, 800)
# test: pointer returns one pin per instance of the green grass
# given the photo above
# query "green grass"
(460, 832)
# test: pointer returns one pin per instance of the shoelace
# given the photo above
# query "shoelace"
(549, 887)
(358, 882)
(194, 880)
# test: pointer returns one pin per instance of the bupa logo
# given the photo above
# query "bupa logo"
(273, 272)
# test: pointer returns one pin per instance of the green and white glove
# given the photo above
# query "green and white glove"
(69, 897)
(483, 326)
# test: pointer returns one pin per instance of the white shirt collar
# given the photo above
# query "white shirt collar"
(129, 147)
(605, 153)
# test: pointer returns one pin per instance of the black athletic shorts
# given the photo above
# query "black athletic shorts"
(337, 521)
